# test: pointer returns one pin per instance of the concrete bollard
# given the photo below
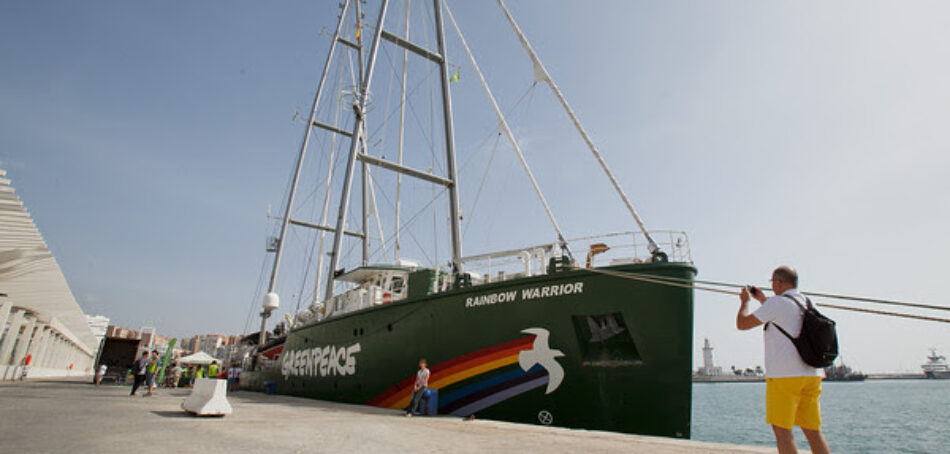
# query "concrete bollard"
(208, 398)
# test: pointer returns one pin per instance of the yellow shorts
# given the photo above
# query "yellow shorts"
(793, 401)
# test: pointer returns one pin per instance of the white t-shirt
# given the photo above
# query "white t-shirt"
(102, 369)
(781, 356)
(422, 378)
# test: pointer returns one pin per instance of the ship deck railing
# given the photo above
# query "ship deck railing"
(623, 248)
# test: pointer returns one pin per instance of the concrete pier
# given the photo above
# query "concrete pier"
(77, 417)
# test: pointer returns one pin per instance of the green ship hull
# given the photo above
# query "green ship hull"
(576, 348)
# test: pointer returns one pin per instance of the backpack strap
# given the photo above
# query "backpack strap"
(789, 336)
(800, 306)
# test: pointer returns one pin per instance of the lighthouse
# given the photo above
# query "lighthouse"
(709, 368)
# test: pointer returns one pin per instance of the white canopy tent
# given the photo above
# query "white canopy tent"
(200, 358)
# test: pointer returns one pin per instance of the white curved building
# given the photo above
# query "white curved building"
(43, 331)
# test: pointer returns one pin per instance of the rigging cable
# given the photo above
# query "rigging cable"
(481, 185)
(540, 73)
(382, 246)
(817, 294)
(511, 137)
(257, 294)
(671, 281)
(417, 214)
(331, 164)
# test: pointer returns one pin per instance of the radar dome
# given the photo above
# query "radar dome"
(271, 301)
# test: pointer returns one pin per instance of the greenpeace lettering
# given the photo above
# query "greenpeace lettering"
(319, 361)
(526, 294)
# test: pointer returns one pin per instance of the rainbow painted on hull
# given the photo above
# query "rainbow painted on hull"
(474, 381)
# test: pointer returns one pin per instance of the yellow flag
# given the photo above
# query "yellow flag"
(455, 77)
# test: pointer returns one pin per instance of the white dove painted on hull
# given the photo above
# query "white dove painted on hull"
(541, 353)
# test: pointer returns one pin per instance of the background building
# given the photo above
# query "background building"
(209, 343)
(123, 333)
(43, 331)
(99, 324)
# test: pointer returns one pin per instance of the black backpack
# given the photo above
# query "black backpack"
(817, 343)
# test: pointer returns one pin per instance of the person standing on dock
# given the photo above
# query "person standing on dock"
(100, 372)
(175, 374)
(199, 373)
(186, 377)
(419, 388)
(138, 368)
(151, 371)
(792, 387)
(234, 377)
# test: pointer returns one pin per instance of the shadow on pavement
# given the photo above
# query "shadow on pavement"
(171, 414)
(254, 398)
(58, 382)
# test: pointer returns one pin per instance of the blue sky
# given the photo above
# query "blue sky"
(148, 140)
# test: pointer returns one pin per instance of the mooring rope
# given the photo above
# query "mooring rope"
(691, 284)
(816, 294)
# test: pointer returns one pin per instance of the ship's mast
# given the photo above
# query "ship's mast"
(364, 179)
(359, 108)
(359, 143)
(402, 135)
(358, 153)
(326, 195)
(454, 221)
(271, 300)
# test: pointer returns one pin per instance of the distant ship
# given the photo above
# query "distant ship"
(843, 373)
(936, 366)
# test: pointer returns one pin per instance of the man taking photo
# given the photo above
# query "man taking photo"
(792, 387)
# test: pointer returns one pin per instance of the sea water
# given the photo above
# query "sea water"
(908, 416)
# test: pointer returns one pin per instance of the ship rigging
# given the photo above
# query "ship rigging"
(510, 334)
